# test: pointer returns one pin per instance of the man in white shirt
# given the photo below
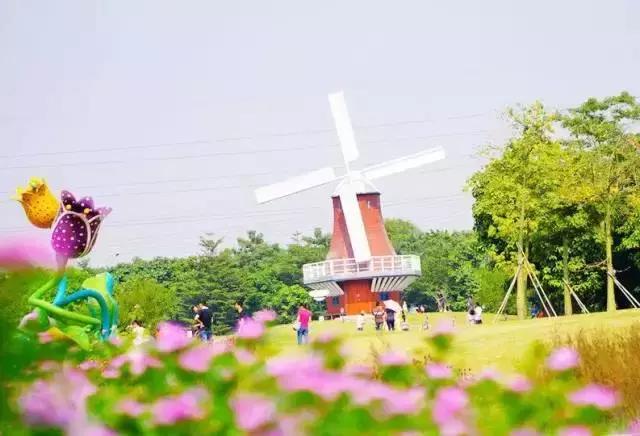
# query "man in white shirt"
(477, 314)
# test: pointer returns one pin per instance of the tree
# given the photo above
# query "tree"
(512, 192)
(608, 168)
(145, 300)
(209, 245)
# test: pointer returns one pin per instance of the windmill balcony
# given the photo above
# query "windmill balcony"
(337, 270)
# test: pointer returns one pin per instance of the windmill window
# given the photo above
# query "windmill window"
(335, 301)
(384, 296)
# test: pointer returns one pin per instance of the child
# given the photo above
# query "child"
(471, 316)
(425, 324)
(360, 321)
(404, 326)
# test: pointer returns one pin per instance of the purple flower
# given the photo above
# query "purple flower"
(394, 359)
(599, 396)
(76, 227)
(562, 359)
(198, 359)
(85, 428)
(576, 430)
(284, 366)
(130, 408)
(449, 403)
(138, 362)
(110, 373)
(244, 357)
(359, 369)
(252, 411)
(438, 371)
(87, 365)
(264, 316)
(183, 407)
(57, 402)
(171, 338)
(519, 384)
(489, 373)
(250, 329)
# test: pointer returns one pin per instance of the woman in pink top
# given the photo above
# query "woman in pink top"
(304, 316)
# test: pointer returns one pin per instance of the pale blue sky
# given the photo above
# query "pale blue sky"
(107, 81)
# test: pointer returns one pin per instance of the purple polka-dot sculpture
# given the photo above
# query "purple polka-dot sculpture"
(76, 226)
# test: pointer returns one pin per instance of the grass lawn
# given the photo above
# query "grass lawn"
(500, 345)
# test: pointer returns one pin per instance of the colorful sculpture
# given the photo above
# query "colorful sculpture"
(75, 228)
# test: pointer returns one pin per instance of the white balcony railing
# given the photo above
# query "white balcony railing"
(346, 269)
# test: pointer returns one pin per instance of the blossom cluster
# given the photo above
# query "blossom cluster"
(176, 385)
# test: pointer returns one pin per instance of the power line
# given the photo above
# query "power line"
(229, 153)
(241, 138)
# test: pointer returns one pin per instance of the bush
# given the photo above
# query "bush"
(178, 386)
(145, 300)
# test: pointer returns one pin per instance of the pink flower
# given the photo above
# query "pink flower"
(171, 338)
(252, 411)
(576, 430)
(519, 384)
(138, 362)
(438, 371)
(394, 359)
(264, 316)
(110, 373)
(244, 357)
(49, 365)
(358, 369)
(250, 329)
(284, 366)
(85, 428)
(25, 253)
(183, 407)
(130, 408)
(599, 396)
(57, 402)
(444, 328)
(116, 341)
(562, 359)
(198, 359)
(325, 337)
(524, 431)
(489, 373)
(449, 402)
(406, 402)
(87, 365)
(45, 337)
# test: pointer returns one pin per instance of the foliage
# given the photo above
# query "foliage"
(177, 386)
(147, 301)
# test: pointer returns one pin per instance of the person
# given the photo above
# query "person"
(534, 311)
(477, 314)
(360, 321)
(405, 325)
(471, 316)
(391, 319)
(139, 332)
(197, 326)
(425, 324)
(241, 313)
(405, 308)
(422, 309)
(304, 315)
(206, 317)
(470, 304)
(378, 316)
(342, 314)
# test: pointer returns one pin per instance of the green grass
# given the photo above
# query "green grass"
(502, 344)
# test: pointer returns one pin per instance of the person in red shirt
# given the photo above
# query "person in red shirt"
(304, 316)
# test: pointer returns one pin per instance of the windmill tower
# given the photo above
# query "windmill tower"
(361, 267)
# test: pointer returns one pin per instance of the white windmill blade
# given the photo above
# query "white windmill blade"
(404, 163)
(343, 126)
(295, 184)
(355, 224)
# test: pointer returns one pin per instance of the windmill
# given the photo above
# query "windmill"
(361, 262)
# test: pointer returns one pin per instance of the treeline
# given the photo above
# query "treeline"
(564, 192)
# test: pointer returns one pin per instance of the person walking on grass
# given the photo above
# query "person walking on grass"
(206, 317)
(391, 319)
(378, 316)
(304, 316)
(360, 321)
(477, 315)
(405, 325)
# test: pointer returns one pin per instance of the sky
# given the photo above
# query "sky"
(172, 113)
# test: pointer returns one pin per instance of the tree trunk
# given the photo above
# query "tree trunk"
(521, 285)
(608, 245)
(568, 309)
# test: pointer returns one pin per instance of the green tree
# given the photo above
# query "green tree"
(608, 168)
(512, 192)
(145, 300)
